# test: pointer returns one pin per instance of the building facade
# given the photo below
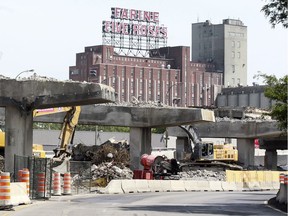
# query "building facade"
(224, 45)
(167, 75)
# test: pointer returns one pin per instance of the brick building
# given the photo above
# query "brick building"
(167, 75)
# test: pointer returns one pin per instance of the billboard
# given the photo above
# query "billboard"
(132, 30)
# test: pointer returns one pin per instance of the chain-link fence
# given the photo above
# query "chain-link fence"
(36, 167)
(80, 175)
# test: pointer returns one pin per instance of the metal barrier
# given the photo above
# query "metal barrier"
(81, 176)
(35, 166)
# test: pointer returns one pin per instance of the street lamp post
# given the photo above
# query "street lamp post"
(168, 91)
(26, 71)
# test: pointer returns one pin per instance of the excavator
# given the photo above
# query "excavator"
(66, 135)
(208, 154)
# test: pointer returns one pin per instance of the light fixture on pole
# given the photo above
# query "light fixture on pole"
(26, 71)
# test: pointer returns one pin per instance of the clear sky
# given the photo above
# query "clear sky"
(46, 35)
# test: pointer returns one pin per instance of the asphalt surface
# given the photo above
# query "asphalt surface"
(160, 204)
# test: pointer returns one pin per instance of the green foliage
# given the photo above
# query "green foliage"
(158, 130)
(276, 90)
(54, 126)
(276, 11)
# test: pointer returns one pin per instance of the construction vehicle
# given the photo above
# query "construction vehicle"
(156, 167)
(66, 136)
(67, 133)
(38, 150)
(208, 154)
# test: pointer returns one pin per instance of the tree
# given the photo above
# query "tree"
(276, 90)
(276, 11)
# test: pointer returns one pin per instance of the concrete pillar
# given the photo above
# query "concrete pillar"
(246, 151)
(180, 148)
(140, 143)
(18, 135)
(183, 148)
(270, 160)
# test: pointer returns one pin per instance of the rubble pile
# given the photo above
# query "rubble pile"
(203, 174)
(111, 171)
(138, 103)
(109, 151)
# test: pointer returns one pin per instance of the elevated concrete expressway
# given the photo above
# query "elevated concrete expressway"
(245, 131)
(139, 119)
(21, 97)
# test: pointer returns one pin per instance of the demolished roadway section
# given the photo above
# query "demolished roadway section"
(21, 97)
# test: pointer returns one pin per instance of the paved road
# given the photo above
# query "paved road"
(146, 204)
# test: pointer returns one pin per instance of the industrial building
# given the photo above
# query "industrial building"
(224, 45)
(166, 75)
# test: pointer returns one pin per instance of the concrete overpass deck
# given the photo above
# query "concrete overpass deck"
(21, 97)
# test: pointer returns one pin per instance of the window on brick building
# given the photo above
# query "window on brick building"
(123, 72)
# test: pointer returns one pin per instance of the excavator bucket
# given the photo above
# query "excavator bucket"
(63, 167)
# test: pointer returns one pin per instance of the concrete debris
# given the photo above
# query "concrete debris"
(111, 171)
(203, 174)
(138, 103)
(38, 78)
(111, 150)
(4, 77)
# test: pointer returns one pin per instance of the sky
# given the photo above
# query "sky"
(46, 35)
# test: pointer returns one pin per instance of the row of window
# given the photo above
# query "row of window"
(238, 44)
(238, 55)
(236, 34)
(138, 60)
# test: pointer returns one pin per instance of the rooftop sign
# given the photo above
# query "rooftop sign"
(134, 30)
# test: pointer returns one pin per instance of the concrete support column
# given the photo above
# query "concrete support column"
(246, 151)
(270, 160)
(183, 148)
(18, 135)
(140, 143)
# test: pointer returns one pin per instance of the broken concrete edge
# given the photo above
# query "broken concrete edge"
(119, 186)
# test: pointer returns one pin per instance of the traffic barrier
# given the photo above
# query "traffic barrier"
(229, 186)
(25, 177)
(215, 186)
(67, 184)
(203, 185)
(191, 185)
(129, 186)
(177, 185)
(242, 186)
(281, 196)
(166, 185)
(5, 191)
(41, 185)
(142, 185)
(114, 187)
(254, 186)
(155, 186)
(266, 185)
(56, 184)
(19, 194)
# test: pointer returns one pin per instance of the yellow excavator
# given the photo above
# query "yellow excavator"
(67, 132)
(66, 135)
